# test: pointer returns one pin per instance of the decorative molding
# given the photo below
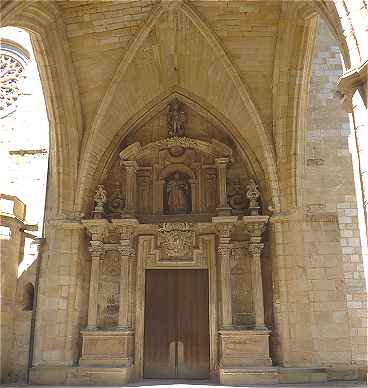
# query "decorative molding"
(321, 217)
(216, 149)
(127, 251)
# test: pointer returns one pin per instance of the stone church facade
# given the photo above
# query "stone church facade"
(206, 207)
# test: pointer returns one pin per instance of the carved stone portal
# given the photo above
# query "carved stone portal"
(176, 202)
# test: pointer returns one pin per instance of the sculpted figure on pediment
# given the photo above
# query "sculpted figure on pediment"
(176, 119)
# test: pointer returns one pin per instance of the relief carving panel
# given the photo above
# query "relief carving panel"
(241, 289)
(176, 240)
(109, 290)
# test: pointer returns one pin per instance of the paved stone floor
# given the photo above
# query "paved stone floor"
(199, 384)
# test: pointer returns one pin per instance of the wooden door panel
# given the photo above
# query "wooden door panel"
(160, 326)
(193, 324)
(176, 335)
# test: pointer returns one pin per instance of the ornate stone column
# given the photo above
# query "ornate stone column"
(221, 165)
(131, 187)
(127, 228)
(225, 226)
(255, 227)
(127, 263)
(96, 250)
(96, 229)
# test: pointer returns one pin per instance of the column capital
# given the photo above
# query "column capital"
(224, 250)
(127, 251)
(96, 248)
(255, 225)
(255, 249)
(224, 225)
(96, 228)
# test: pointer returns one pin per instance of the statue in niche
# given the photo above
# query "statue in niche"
(176, 119)
(177, 194)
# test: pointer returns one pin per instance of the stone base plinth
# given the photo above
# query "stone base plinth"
(64, 375)
(248, 375)
(302, 375)
(244, 348)
(108, 348)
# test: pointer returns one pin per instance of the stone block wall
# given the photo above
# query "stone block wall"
(320, 297)
(19, 352)
(11, 248)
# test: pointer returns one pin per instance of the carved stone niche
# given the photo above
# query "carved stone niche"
(176, 175)
(178, 190)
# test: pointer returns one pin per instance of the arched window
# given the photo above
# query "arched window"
(28, 297)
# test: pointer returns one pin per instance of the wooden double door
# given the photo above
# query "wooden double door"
(176, 334)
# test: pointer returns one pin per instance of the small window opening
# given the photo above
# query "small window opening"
(28, 297)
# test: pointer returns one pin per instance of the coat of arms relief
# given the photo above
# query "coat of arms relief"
(176, 239)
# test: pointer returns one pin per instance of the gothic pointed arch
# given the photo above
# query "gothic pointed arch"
(152, 70)
(52, 53)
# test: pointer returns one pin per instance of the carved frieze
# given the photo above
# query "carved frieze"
(176, 239)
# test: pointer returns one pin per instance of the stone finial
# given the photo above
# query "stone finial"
(100, 196)
(176, 119)
(253, 195)
(100, 199)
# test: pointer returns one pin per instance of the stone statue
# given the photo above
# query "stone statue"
(177, 194)
(176, 119)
